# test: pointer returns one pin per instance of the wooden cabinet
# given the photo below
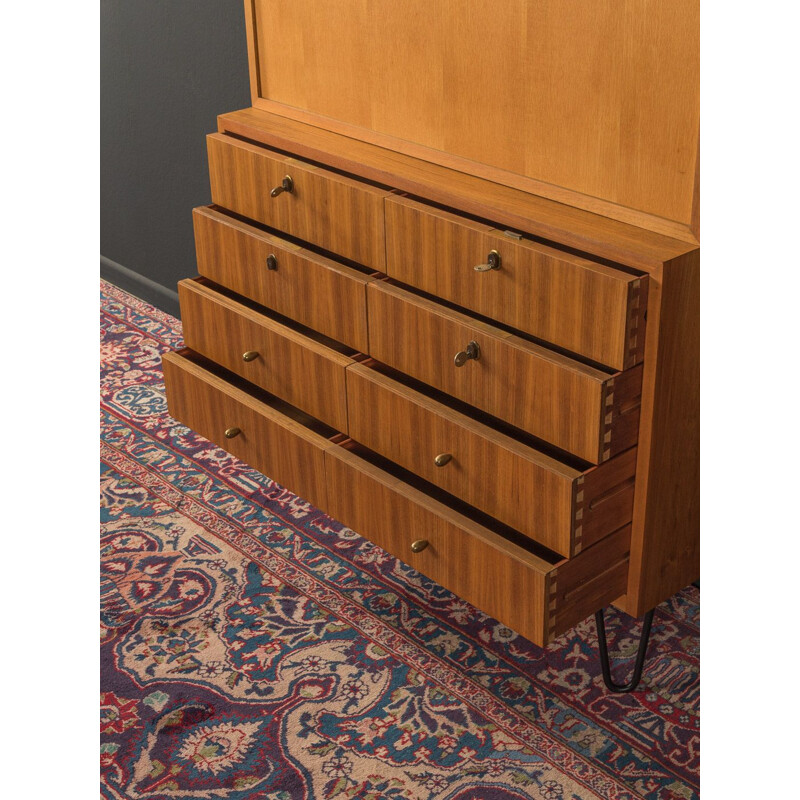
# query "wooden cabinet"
(469, 336)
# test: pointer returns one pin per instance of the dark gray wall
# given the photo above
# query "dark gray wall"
(168, 67)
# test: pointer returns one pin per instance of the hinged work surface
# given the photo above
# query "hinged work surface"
(592, 104)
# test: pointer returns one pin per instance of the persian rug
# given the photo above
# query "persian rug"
(253, 647)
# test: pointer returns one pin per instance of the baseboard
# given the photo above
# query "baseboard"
(140, 286)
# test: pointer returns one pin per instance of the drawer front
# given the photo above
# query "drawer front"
(461, 555)
(519, 486)
(315, 291)
(484, 568)
(269, 441)
(533, 596)
(548, 395)
(280, 360)
(578, 304)
(339, 214)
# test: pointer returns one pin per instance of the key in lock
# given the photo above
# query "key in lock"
(472, 351)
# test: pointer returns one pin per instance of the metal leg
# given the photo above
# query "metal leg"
(640, 655)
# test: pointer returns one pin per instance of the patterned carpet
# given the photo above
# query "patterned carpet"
(252, 647)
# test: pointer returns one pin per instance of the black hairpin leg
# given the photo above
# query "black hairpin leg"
(637, 668)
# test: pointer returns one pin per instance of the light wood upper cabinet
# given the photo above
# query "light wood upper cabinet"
(594, 104)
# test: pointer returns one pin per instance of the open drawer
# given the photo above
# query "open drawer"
(574, 302)
(537, 595)
(263, 431)
(580, 409)
(299, 366)
(318, 292)
(337, 213)
(528, 588)
(564, 505)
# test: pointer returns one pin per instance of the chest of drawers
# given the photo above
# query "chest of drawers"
(495, 385)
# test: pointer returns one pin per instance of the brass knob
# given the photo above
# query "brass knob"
(287, 185)
(250, 355)
(419, 545)
(442, 459)
(272, 261)
(232, 433)
(473, 351)
(493, 262)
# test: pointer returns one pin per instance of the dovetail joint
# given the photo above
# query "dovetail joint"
(608, 418)
(551, 608)
(634, 299)
(577, 525)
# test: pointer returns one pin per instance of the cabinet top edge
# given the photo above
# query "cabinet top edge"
(551, 221)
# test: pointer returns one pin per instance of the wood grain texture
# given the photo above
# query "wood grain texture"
(621, 403)
(604, 499)
(336, 213)
(269, 441)
(591, 580)
(288, 364)
(470, 192)
(575, 303)
(573, 123)
(665, 543)
(549, 395)
(316, 291)
(614, 100)
(470, 560)
(516, 484)
(636, 322)
(597, 108)
(533, 596)
(508, 480)
(253, 59)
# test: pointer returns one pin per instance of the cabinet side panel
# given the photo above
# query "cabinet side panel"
(665, 543)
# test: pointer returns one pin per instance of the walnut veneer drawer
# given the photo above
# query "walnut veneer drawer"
(575, 303)
(257, 432)
(582, 410)
(269, 354)
(538, 597)
(337, 213)
(560, 507)
(316, 291)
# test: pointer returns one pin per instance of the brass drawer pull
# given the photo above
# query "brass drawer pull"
(250, 355)
(473, 351)
(287, 185)
(419, 545)
(232, 433)
(442, 459)
(493, 262)
(272, 261)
